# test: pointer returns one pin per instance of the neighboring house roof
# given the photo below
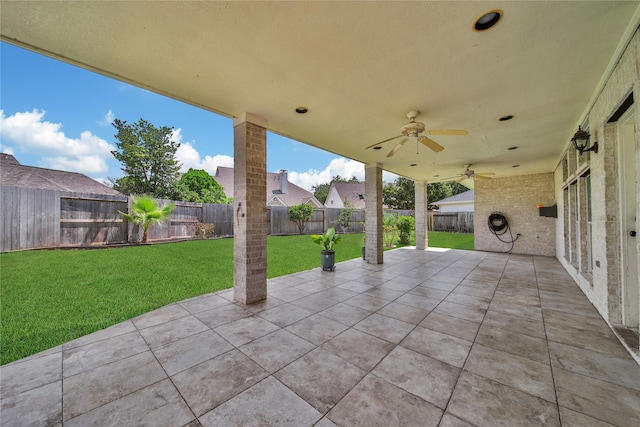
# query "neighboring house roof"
(13, 174)
(279, 192)
(353, 192)
(467, 197)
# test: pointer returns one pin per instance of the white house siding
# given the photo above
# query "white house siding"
(456, 207)
(333, 199)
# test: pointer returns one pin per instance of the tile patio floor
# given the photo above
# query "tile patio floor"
(448, 338)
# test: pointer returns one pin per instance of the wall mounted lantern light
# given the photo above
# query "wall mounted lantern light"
(581, 142)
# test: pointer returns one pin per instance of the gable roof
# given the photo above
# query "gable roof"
(13, 174)
(353, 192)
(294, 194)
(467, 196)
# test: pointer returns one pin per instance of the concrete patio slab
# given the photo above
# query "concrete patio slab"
(430, 338)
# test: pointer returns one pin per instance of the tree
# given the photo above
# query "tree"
(145, 211)
(301, 214)
(442, 190)
(198, 186)
(321, 191)
(400, 194)
(147, 154)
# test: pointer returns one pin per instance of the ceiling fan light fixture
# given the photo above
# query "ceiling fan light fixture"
(487, 20)
(377, 148)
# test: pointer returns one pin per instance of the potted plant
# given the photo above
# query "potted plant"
(327, 241)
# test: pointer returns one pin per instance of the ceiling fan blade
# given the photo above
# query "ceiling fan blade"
(462, 178)
(458, 132)
(382, 142)
(397, 147)
(485, 174)
(476, 176)
(431, 144)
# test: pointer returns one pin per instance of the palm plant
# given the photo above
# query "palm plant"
(145, 211)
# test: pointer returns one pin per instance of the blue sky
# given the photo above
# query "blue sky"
(55, 115)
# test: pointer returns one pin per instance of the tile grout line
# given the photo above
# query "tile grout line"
(370, 371)
(546, 340)
(462, 370)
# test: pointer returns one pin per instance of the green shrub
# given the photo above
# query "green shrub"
(405, 225)
(390, 229)
(344, 217)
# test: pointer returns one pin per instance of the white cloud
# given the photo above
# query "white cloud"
(344, 167)
(109, 117)
(190, 158)
(104, 181)
(388, 176)
(30, 133)
(6, 150)
(176, 135)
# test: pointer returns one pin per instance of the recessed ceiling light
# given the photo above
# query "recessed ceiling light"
(512, 148)
(515, 166)
(487, 20)
(505, 118)
(413, 164)
(301, 110)
(377, 148)
(435, 176)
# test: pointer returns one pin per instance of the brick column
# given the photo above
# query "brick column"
(421, 215)
(250, 209)
(373, 213)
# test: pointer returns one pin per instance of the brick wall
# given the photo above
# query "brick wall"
(250, 213)
(373, 213)
(603, 286)
(517, 198)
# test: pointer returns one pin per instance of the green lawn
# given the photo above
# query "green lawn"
(49, 297)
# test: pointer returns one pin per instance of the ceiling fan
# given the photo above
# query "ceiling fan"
(471, 174)
(413, 130)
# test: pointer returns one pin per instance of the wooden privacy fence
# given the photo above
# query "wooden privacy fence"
(457, 222)
(86, 219)
(33, 218)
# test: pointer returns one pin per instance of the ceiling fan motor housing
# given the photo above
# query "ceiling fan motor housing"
(413, 128)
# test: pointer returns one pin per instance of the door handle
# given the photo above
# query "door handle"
(632, 233)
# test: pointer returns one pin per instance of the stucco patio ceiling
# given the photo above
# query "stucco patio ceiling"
(358, 67)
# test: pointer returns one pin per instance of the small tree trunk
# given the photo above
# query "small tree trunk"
(145, 231)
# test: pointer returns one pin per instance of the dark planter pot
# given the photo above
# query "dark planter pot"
(364, 250)
(328, 260)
